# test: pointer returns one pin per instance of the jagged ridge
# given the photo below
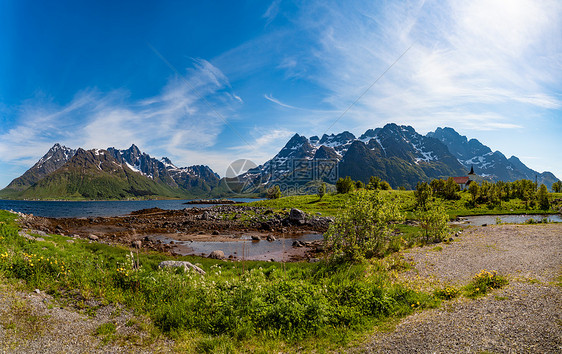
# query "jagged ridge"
(64, 173)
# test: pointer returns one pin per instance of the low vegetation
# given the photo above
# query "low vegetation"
(486, 199)
(237, 304)
(484, 282)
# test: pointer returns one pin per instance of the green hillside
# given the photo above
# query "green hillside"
(102, 185)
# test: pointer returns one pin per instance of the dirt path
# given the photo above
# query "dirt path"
(524, 317)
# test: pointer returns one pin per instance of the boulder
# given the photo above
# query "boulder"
(26, 235)
(93, 237)
(271, 238)
(137, 244)
(177, 264)
(297, 216)
(256, 238)
(298, 243)
(217, 255)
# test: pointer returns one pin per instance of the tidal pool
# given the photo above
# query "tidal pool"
(245, 248)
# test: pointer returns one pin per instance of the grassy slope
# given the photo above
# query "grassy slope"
(73, 185)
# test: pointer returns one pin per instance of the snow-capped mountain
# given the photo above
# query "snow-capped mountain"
(165, 171)
(111, 173)
(395, 153)
(487, 163)
(55, 158)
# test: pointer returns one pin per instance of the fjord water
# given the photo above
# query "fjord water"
(67, 209)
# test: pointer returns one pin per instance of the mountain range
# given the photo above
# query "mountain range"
(65, 173)
(395, 153)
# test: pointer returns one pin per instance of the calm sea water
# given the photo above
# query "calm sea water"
(62, 209)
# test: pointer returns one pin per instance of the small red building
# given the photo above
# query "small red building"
(463, 182)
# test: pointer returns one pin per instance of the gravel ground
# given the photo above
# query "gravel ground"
(524, 317)
(35, 323)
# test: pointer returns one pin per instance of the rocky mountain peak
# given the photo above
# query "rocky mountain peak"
(492, 165)
(339, 139)
(166, 161)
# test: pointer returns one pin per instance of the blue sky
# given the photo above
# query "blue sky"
(209, 82)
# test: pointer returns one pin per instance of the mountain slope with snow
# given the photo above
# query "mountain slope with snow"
(395, 153)
(487, 163)
(65, 173)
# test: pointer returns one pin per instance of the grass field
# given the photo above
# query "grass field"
(330, 204)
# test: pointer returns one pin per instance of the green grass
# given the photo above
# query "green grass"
(330, 204)
(236, 306)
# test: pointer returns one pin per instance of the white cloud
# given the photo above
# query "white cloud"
(272, 11)
(466, 58)
(276, 101)
(178, 119)
(265, 144)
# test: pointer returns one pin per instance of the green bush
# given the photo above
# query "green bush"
(434, 223)
(345, 185)
(363, 228)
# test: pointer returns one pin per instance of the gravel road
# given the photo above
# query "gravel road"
(524, 317)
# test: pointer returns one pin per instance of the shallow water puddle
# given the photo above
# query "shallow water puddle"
(245, 248)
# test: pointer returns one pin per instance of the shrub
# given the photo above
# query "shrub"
(434, 222)
(345, 185)
(363, 227)
(374, 183)
(274, 192)
(422, 194)
(322, 190)
(542, 197)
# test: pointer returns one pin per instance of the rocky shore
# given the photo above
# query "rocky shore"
(148, 228)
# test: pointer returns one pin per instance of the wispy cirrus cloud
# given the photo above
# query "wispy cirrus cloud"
(276, 101)
(176, 121)
(466, 57)
(272, 11)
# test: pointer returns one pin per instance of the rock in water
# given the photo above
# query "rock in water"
(217, 255)
(185, 264)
